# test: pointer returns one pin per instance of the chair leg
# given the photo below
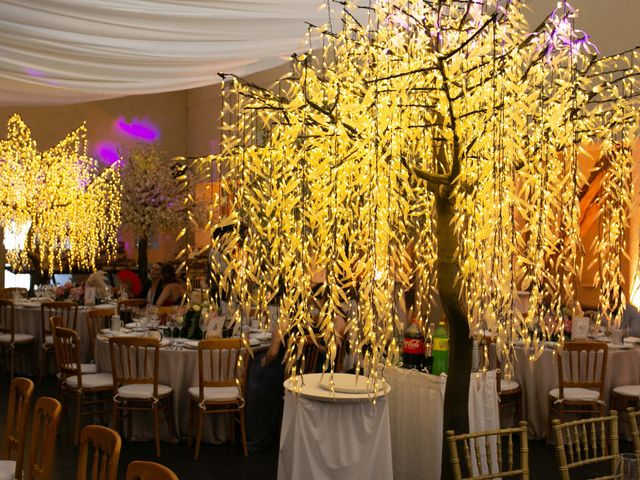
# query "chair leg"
(156, 428)
(199, 433)
(243, 434)
(76, 435)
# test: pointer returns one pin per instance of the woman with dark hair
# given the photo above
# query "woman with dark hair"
(173, 290)
(153, 288)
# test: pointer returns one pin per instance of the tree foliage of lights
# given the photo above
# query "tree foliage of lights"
(70, 208)
(152, 196)
(431, 143)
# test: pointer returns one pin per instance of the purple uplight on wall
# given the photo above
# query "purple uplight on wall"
(107, 151)
(140, 129)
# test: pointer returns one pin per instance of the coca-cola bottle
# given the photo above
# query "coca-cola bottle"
(413, 346)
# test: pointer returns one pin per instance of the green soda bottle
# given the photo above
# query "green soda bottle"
(440, 349)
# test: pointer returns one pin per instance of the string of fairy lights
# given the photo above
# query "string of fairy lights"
(69, 208)
(321, 173)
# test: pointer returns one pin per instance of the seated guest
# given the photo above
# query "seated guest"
(631, 320)
(153, 288)
(173, 290)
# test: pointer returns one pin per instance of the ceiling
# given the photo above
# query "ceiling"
(69, 51)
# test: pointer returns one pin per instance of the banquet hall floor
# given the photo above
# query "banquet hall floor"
(219, 461)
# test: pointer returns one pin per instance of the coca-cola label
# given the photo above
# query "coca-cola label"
(413, 345)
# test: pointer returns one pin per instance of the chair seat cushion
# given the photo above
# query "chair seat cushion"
(17, 338)
(628, 390)
(507, 385)
(7, 469)
(48, 339)
(576, 394)
(142, 391)
(217, 394)
(92, 380)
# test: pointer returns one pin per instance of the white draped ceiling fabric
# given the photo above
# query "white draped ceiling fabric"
(68, 51)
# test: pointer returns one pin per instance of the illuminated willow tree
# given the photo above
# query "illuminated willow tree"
(69, 209)
(435, 145)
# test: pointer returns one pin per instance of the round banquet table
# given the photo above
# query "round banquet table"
(179, 370)
(345, 436)
(623, 368)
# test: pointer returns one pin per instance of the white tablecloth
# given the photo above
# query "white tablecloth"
(416, 407)
(28, 321)
(623, 368)
(330, 440)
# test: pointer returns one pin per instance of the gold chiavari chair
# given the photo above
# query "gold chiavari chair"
(134, 365)
(84, 389)
(490, 454)
(97, 319)
(99, 453)
(582, 368)
(588, 442)
(509, 391)
(69, 312)
(12, 343)
(221, 384)
(13, 443)
(139, 470)
(633, 426)
(42, 446)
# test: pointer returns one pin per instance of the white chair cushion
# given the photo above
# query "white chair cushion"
(216, 394)
(628, 390)
(48, 339)
(506, 385)
(7, 469)
(142, 391)
(94, 380)
(17, 338)
(576, 394)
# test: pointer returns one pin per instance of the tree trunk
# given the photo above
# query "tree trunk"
(143, 258)
(456, 396)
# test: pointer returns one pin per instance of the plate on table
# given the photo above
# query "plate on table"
(254, 342)
(262, 336)
(624, 346)
(349, 383)
(632, 340)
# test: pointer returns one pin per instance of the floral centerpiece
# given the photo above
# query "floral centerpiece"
(70, 292)
(191, 327)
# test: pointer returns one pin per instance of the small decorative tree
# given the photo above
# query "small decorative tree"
(152, 196)
(69, 208)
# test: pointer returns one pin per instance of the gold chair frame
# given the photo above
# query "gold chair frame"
(96, 318)
(66, 310)
(479, 449)
(105, 444)
(19, 405)
(13, 347)
(586, 442)
(140, 470)
(46, 417)
(135, 361)
(229, 372)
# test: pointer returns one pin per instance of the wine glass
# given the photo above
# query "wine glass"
(178, 318)
(202, 323)
(171, 324)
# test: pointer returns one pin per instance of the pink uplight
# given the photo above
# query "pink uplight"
(107, 152)
(140, 129)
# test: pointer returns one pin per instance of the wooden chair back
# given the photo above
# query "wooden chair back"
(580, 443)
(490, 359)
(66, 310)
(13, 443)
(307, 351)
(221, 363)
(135, 360)
(490, 454)
(582, 365)
(43, 438)
(140, 470)
(67, 345)
(7, 318)
(97, 319)
(99, 453)
(633, 425)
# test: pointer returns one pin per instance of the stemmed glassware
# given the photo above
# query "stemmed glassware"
(171, 323)
(202, 323)
(179, 321)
